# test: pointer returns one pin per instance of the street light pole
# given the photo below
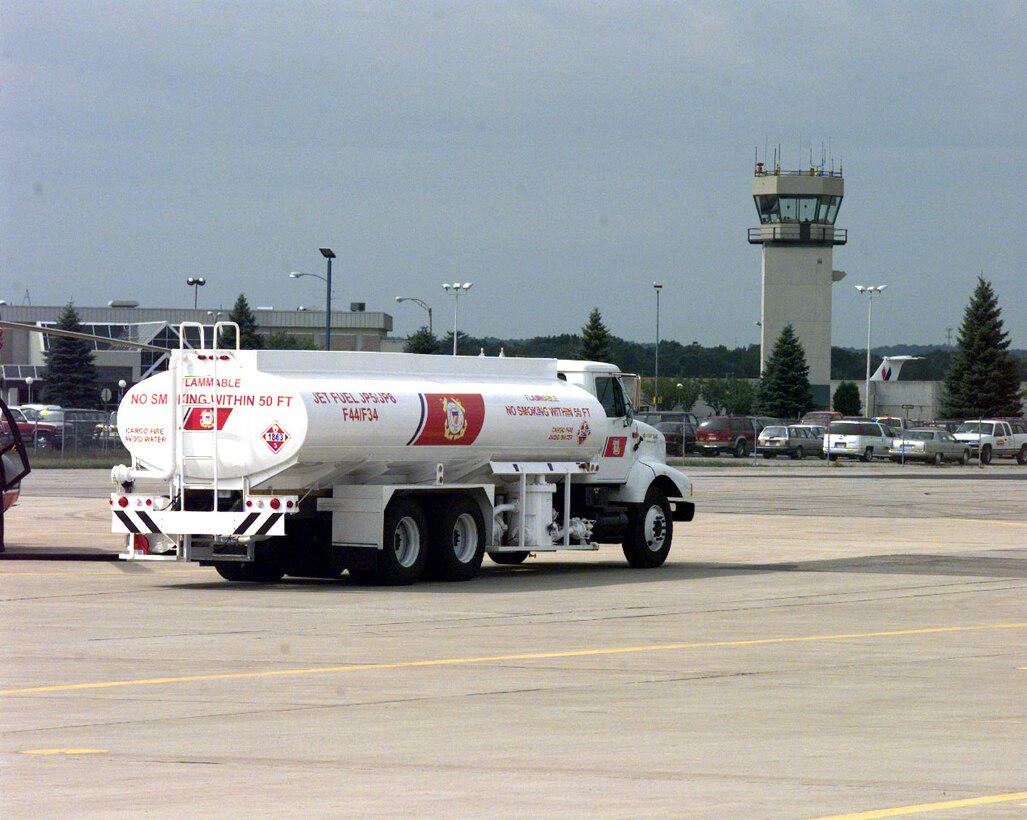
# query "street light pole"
(196, 282)
(329, 255)
(870, 291)
(423, 304)
(455, 289)
(656, 381)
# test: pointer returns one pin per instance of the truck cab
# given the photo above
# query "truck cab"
(624, 435)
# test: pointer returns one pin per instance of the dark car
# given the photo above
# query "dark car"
(726, 434)
(654, 417)
(680, 437)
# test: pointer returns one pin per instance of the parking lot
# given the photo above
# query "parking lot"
(824, 641)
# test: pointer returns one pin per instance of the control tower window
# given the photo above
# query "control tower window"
(808, 208)
(768, 209)
(832, 210)
(789, 208)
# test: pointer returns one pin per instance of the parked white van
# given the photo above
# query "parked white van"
(865, 440)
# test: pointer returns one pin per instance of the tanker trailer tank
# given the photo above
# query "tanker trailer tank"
(388, 465)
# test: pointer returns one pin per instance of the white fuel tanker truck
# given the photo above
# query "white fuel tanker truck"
(392, 466)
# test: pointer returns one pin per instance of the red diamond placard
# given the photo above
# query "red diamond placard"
(275, 437)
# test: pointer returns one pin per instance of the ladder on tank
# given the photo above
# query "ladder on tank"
(202, 354)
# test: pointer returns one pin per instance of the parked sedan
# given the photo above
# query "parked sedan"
(929, 444)
(787, 440)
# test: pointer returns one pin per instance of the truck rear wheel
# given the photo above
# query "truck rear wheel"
(1021, 456)
(457, 540)
(267, 566)
(404, 540)
(650, 531)
(986, 454)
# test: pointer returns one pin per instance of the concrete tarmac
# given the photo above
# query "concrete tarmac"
(823, 642)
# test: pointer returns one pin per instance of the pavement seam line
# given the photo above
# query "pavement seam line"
(527, 656)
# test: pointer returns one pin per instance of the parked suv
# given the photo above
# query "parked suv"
(34, 431)
(865, 440)
(726, 434)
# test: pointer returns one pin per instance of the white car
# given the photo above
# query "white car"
(865, 440)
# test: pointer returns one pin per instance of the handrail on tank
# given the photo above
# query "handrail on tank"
(181, 334)
(217, 334)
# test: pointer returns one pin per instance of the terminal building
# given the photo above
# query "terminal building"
(23, 366)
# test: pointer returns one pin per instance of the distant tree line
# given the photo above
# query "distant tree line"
(981, 373)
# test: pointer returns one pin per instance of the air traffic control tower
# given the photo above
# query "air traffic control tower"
(797, 210)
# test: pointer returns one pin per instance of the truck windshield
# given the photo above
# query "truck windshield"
(972, 427)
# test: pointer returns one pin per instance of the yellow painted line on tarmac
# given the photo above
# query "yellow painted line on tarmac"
(527, 656)
(900, 811)
(64, 751)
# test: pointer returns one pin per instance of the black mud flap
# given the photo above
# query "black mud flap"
(683, 510)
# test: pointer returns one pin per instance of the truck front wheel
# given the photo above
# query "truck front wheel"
(986, 454)
(650, 531)
(1021, 455)
(457, 541)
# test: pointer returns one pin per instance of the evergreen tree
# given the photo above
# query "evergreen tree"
(423, 341)
(249, 338)
(465, 345)
(983, 379)
(595, 339)
(784, 390)
(846, 399)
(71, 379)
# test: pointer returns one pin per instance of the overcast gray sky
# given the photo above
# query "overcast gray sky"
(560, 155)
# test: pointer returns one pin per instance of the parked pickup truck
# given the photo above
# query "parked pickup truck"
(995, 438)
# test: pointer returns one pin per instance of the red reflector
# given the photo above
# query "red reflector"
(288, 505)
(275, 503)
(149, 502)
(249, 503)
(123, 501)
(140, 543)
